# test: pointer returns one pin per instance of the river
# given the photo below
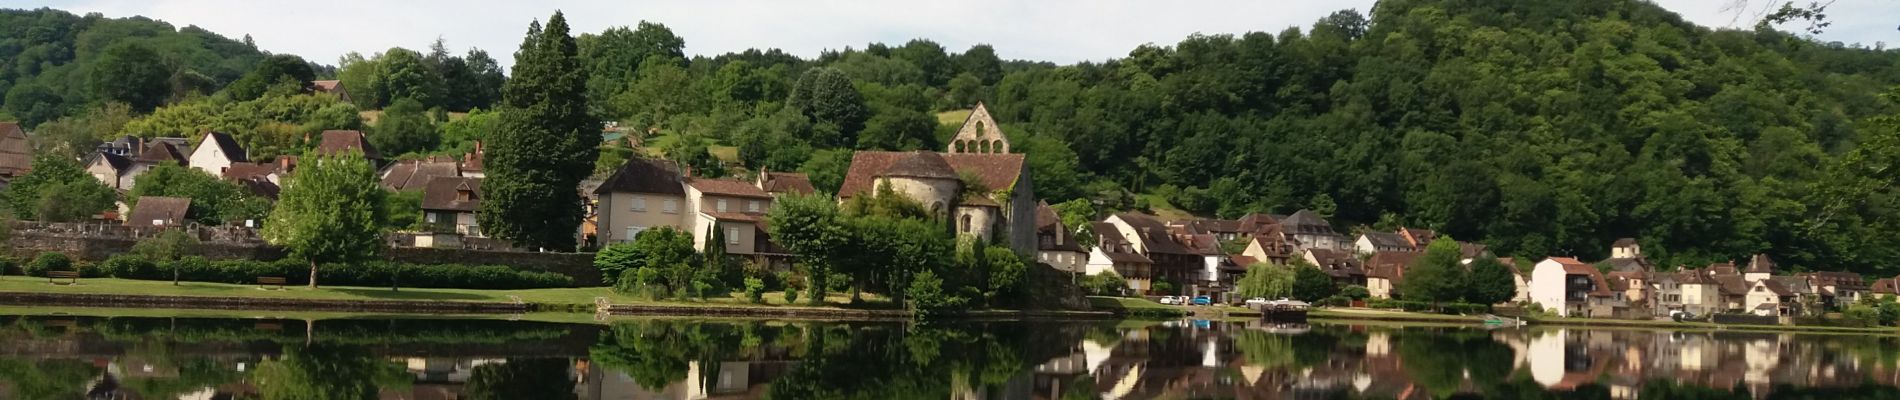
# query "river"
(74, 357)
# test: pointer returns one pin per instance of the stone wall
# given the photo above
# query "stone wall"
(96, 242)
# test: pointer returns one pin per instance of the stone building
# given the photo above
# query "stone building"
(1004, 207)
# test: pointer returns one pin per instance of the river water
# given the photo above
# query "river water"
(68, 357)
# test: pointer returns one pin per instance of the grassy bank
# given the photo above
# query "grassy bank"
(1406, 316)
(554, 298)
(1135, 307)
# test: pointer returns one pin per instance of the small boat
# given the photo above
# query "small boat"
(1282, 310)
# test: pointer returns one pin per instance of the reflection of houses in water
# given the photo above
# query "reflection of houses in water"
(739, 379)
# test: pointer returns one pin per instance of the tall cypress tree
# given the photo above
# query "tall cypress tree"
(545, 145)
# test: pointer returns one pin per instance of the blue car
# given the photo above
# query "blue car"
(1202, 300)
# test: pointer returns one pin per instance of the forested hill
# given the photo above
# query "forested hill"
(47, 57)
(1545, 127)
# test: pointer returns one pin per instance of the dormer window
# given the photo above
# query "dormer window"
(464, 195)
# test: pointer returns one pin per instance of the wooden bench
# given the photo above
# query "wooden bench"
(264, 281)
(71, 277)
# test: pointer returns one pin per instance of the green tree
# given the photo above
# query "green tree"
(405, 128)
(130, 73)
(617, 56)
(75, 194)
(1310, 284)
(273, 70)
(544, 147)
(662, 263)
(1265, 281)
(1491, 281)
(826, 169)
(1438, 276)
(534, 378)
(810, 227)
(325, 372)
(167, 248)
(403, 74)
(827, 96)
(330, 211)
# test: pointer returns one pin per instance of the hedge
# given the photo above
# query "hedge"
(1420, 306)
(377, 274)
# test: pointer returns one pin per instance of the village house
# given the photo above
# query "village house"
(737, 210)
(159, 212)
(1004, 206)
(1773, 297)
(215, 152)
(1309, 231)
(332, 87)
(1627, 256)
(1384, 271)
(414, 175)
(1114, 254)
(1836, 290)
(119, 163)
(1568, 287)
(1371, 242)
(334, 142)
(16, 152)
(1055, 242)
(1665, 293)
(1884, 288)
(1629, 295)
(1218, 272)
(1343, 266)
(1520, 280)
(784, 183)
(1701, 294)
(1174, 263)
(642, 194)
(449, 205)
(1267, 249)
(1418, 238)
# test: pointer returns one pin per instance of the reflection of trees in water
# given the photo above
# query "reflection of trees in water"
(47, 379)
(1439, 360)
(327, 372)
(544, 378)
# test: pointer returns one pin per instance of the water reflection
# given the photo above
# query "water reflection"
(202, 358)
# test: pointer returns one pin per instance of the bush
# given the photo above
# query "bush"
(375, 274)
(1104, 284)
(1862, 316)
(1355, 292)
(49, 261)
(7, 263)
(791, 295)
(755, 290)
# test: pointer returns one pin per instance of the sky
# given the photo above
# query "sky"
(1061, 31)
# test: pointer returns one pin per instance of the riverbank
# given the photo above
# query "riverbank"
(600, 302)
(1406, 316)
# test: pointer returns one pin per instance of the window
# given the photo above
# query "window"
(732, 235)
(430, 216)
(634, 231)
(966, 223)
(721, 205)
(752, 206)
(670, 206)
(639, 204)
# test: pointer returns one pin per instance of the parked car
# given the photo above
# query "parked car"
(1257, 301)
(1171, 300)
(1203, 300)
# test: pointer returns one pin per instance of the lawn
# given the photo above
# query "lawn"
(559, 296)
(953, 117)
(1134, 306)
(1165, 210)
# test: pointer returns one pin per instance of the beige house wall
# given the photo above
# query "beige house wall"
(617, 214)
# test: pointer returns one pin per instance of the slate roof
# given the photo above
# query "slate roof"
(1111, 242)
(1472, 250)
(160, 152)
(643, 175)
(1840, 280)
(227, 145)
(1624, 242)
(1761, 264)
(16, 153)
(996, 171)
(1387, 240)
(416, 174)
(1255, 223)
(337, 141)
(1204, 244)
(1629, 264)
(978, 201)
(170, 210)
(1307, 222)
(727, 187)
(117, 162)
(920, 164)
(245, 170)
(1727, 268)
(443, 194)
(786, 182)
(1153, 234)
(1046, 217)
(1777, 287)
(1732, 285)
(1419, 237)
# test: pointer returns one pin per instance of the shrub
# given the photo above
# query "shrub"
(755, 290)
(376, 274)
(49, 261)
(1355, 292)
(1862, 316)
(791, 295)
(927, 297)
(1104, 284)
(6, 262)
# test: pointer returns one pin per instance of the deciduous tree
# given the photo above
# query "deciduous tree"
(330, 211)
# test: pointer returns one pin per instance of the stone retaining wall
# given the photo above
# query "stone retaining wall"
(251, 303)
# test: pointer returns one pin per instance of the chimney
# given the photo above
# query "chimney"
(688, 169)
(478, 147)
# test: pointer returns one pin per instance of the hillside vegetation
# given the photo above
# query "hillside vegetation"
(1538, 127)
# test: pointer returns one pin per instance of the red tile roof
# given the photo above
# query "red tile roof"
(727, 187)
(997, 171)
(735, 216)
(335, 142)
(786, 182)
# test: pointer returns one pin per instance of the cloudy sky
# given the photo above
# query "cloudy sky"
(1063, 31)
